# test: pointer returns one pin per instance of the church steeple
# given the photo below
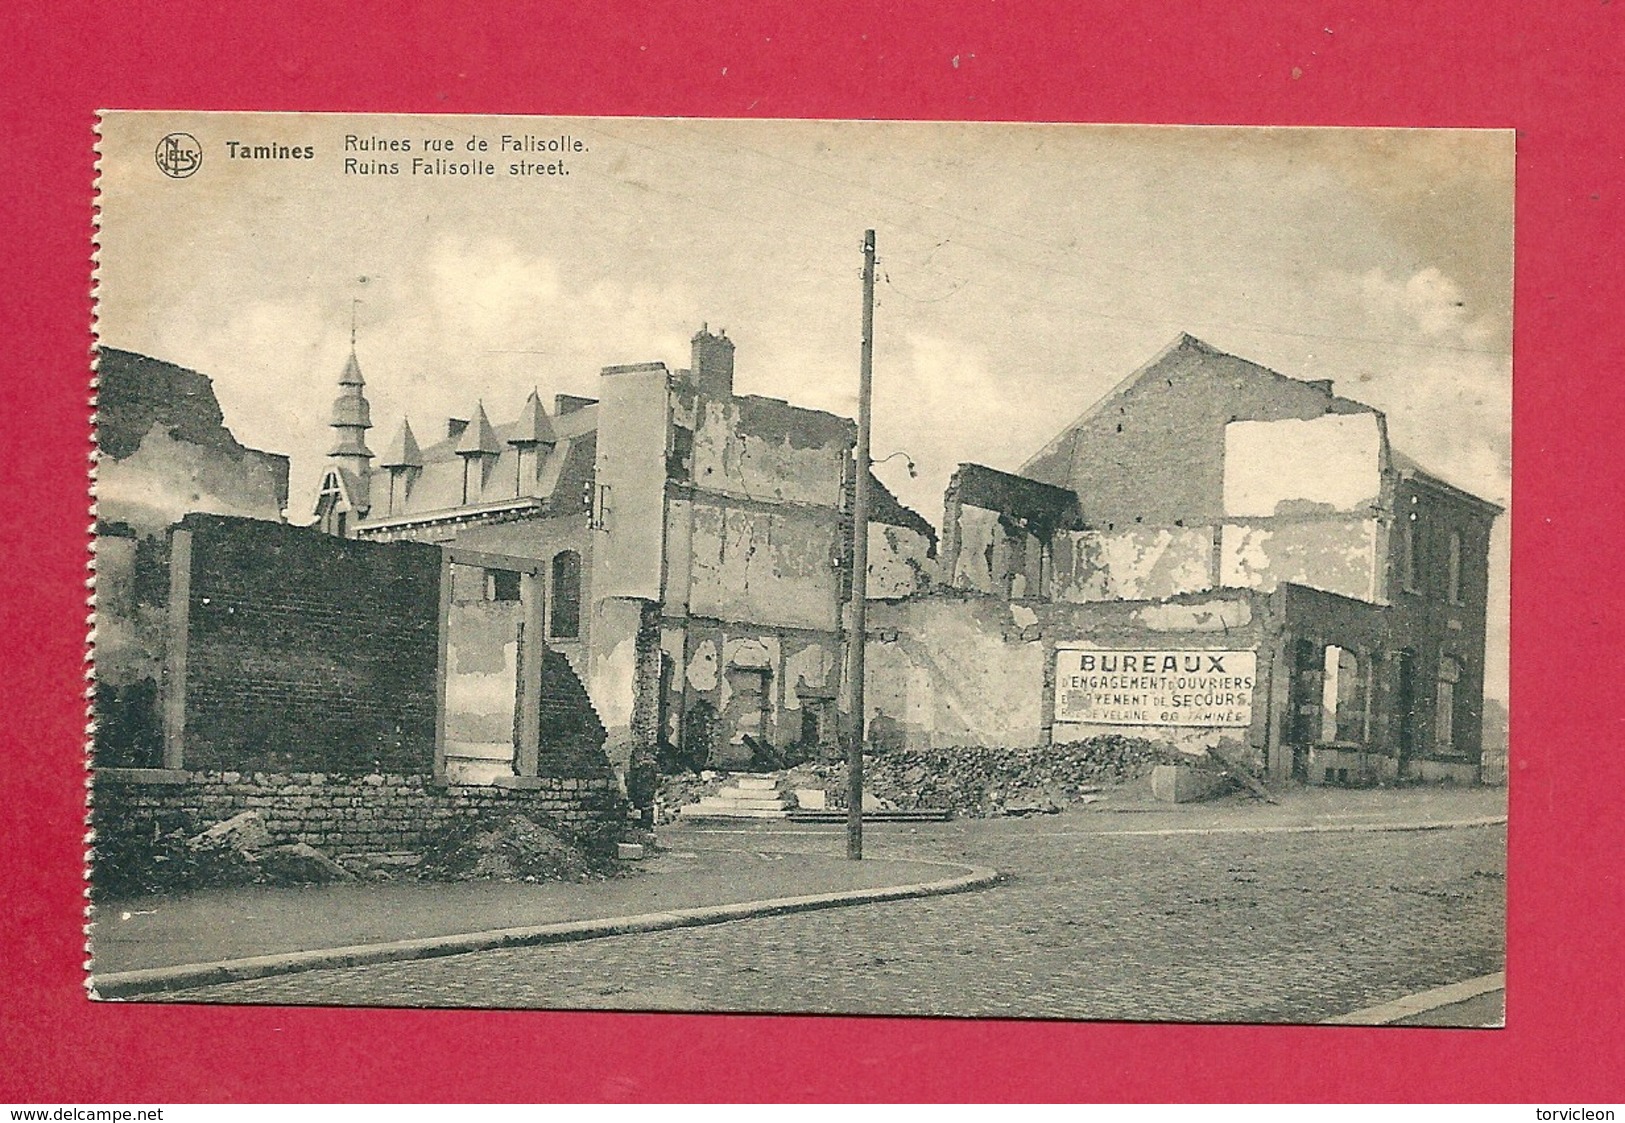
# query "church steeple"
(350, 420)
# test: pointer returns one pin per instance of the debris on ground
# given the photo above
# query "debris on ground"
(513, 847)
(245, 831)
(968, 781)
(299, 863)
(174, 858)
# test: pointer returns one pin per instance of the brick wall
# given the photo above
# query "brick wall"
(572, 738)
(340, 815)
(307, 652)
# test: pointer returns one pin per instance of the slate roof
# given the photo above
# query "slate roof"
(403, 451)
(556, 472)
(533, 426)
(1408, 467)
(479, 439)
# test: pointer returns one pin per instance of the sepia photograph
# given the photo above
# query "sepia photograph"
(962, 570)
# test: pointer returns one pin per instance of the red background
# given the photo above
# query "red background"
(1552, 71)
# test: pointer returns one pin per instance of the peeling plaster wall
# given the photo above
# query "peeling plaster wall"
(793, 663)
(810, 666)
(1295, 466)
(482, 662)
(631, 465)
(166, 479)
(166, 452)
(767, 566)
(612, 674)
(900, 564)
(679, 554)
(980, 554)
(760, 448)
(542, 540)
(1142, 563)
(1336, 555)
(954, 669)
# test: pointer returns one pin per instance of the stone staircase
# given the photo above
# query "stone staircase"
(747, 797)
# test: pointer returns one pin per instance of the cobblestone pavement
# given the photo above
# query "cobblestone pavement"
(1208, 927)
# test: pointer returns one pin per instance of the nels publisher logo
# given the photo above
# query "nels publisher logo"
(179, 155)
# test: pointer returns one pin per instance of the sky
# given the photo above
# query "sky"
(1023, 271)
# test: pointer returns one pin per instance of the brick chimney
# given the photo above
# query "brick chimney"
(712, 366)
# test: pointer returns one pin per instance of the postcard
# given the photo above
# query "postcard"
(816, 567)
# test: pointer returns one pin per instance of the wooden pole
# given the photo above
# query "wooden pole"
(860, 562)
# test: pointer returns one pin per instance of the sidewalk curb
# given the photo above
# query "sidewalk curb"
(124, 984)
(1160, 832)
(1309, 828)
(1387, 1013)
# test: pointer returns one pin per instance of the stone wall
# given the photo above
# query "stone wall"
(340, 815)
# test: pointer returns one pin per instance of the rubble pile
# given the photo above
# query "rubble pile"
(981, 782)
(970, 781)
(685, 787)
(513, 847)
(236, 851)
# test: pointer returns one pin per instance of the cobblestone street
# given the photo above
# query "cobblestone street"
(1126, 926)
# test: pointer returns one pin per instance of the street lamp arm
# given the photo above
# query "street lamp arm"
(909, 460)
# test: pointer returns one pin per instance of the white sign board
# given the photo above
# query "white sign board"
(1113, 686)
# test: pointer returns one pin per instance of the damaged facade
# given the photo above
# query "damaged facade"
(692, 547)
(1215, 555)
(245, 664)
(163, 452)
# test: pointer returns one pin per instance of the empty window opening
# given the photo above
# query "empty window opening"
(502, 585)
(1453, 575)
(566, 618)
(1444, 706)
(1342, 705)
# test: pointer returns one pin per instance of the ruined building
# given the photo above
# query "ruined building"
(692, 547)
(163, 452)
(242, 663)
(1213, 555)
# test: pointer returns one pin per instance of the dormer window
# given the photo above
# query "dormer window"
(479, 447)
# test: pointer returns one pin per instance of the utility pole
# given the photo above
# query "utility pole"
(860, 562)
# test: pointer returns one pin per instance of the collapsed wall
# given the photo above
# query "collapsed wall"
(958, 668)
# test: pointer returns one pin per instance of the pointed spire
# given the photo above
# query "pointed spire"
(479, 439)
(533, 428)
(350, 420)
(352, 371)
(403, 451)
